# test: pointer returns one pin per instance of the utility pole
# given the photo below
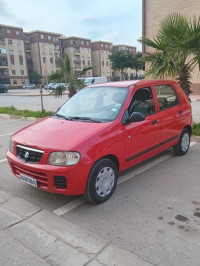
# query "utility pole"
(41, 95)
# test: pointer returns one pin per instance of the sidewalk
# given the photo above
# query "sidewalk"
(30, 235)
(194, 97)
(31, 92)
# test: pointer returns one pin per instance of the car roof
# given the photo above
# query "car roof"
(128, 83)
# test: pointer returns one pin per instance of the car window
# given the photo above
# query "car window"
(167, 96)
(142, 102)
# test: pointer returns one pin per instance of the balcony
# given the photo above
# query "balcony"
(76, 51)
(2, 42)
(77, 61)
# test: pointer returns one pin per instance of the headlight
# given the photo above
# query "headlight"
(64, 158)
(11, 146)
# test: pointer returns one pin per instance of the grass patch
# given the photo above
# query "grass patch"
(11, 110)
(196, 129)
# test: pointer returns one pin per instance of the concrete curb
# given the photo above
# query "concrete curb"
(34, 119)
(43, 236)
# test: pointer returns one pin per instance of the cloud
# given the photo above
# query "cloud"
(114, 21)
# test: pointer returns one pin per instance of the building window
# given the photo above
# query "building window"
(101, 44)
(82, 42)
(17, 32)
(19, 52)
(87, 43)
(14, 81)
(42, 36)
(8, 31)
(10, 42)
(12, 61)
(49, 37)
(23, 81)
(11, 52)
(51, 60)
(88, 62)
(44, 59)
(19, 43)
(83, 62)
(21, 62)
(22, 72)
(13, 72)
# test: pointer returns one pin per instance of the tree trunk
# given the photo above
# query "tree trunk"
(183, 78)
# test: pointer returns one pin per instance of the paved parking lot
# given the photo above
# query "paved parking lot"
(153, 218)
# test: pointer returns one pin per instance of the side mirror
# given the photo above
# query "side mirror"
(135, 117)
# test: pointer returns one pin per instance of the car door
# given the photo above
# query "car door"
(141, 138)
(169, 105)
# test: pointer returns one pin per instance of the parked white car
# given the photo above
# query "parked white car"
(49, 86)
(28, 86)
(56, 85)
(95, 80)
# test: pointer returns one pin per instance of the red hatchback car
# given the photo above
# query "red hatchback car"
(102, 130)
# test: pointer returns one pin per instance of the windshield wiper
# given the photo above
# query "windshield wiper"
(65, 117)
(82, 118)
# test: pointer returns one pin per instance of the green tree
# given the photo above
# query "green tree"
(177, 50)
(137, 63)
(121, 60)
(34, 77)
(66, 75)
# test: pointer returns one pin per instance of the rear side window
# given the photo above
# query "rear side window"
(167, 96)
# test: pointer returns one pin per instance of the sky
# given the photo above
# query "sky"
(116, 21)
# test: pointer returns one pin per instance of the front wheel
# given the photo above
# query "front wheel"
(102, 181)
(183, 145)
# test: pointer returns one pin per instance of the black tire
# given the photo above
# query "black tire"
(100, 186)
(182, 147)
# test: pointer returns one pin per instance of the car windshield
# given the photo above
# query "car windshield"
(97, 104)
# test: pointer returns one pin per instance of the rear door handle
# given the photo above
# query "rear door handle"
(154, 122)
(180, 112)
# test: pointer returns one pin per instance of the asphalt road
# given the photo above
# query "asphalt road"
(33, 102)
(154, 212)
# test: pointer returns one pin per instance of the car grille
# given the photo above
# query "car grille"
(60, 181)
(29, 155)
(41, 178)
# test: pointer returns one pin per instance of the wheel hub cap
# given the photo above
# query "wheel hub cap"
(105, 181)
(185, 142)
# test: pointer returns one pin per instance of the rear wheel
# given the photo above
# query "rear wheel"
(102, 181)
(183, 145)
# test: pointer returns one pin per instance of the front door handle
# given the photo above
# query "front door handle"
(180, 112)
(154, 122)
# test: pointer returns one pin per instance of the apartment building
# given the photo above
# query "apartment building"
(21, 53)
(131, 74)
(100, 58)
(155, 11)
(42, 50)
(79, 52)
(13, 69)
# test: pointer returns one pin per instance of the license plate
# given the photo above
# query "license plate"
(28, 180)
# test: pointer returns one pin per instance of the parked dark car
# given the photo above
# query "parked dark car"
(3, 88)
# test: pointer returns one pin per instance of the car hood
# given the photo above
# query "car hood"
(57, 134)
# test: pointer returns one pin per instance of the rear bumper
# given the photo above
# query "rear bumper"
(76, 176)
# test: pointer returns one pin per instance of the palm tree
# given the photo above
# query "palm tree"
(177, 46)
(65, 74)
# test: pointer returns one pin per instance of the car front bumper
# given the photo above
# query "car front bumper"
(45, 175)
